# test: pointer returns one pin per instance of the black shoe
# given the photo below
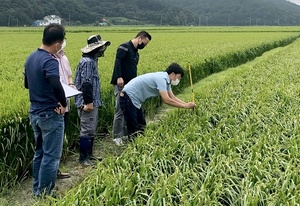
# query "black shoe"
(62, 175)
(93, 157)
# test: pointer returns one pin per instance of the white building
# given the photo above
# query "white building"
(48, 20)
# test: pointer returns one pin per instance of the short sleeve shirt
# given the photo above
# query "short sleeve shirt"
(147, 85)
(39, 66)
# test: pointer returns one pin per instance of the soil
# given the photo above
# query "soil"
(21, 194)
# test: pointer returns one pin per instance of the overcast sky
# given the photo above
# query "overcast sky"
(295, 1)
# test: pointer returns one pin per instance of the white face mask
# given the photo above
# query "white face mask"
(176, 82)
(63, 45)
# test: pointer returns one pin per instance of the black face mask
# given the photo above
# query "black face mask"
(141, 45)
(101, 51)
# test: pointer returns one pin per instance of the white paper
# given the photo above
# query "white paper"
(69, 91)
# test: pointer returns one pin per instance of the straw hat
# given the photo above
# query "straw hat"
(94, 42)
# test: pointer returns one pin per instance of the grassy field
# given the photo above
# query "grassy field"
(208, 49)
(240, 146)
(181, 45)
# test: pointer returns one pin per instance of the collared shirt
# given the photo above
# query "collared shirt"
(64, 67)
(39, 66)
(145, 86)
(126, 62)
(87, 72)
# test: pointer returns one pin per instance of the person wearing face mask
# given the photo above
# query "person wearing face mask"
(65, 74)
(47, 107)
(125, 69)
(87, 80)
(136, 91)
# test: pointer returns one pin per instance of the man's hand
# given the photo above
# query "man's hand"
(190, 105)
(60, 109)
(88, 107)
(120, 82)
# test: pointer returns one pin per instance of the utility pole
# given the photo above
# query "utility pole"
(160, 19)
(199, 20)
(69, 20)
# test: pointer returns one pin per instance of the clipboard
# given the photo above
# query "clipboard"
(69, 91)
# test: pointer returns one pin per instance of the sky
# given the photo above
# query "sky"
(295, 1)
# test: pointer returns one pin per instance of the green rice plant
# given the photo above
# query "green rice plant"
(209, 51)
(16, 151)
(240, 147)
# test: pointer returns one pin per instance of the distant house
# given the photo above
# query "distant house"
(103, 24)
(48, 20)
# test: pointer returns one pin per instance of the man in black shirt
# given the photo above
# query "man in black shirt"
(125, 69)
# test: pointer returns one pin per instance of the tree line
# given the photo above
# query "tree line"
(155, 12)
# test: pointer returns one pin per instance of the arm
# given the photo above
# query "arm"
(59, 94)
(175, 102)
(70, 82)
(51, 69)
(121, 54)
(67, 71)
(87, 85)
(172, 96)
(25, 81)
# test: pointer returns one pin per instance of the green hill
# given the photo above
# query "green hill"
(155, 12)
(241, 12)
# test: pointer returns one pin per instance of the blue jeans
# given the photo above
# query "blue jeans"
(48, 128)
(133, 116)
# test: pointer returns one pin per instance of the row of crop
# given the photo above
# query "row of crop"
(240, 146)
(15, 162)
(176, 46)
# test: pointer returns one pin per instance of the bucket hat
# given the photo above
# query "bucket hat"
(94, 42)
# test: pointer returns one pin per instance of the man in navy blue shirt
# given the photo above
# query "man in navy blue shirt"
(125, 69)
(47, 108)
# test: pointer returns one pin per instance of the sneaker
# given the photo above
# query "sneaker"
(118, 141)
(93, 157)
(87, 163)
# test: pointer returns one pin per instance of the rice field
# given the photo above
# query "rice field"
(239, 147)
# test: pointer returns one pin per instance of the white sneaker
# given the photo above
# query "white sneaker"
(118, 141)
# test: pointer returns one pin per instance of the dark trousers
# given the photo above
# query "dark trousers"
(133, 116)
(66, 118)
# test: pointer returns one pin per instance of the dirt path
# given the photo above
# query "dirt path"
(21, 194)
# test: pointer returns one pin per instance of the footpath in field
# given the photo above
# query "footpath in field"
(21, 194)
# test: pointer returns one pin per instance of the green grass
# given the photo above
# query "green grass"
(209, 50)
(238, 148)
